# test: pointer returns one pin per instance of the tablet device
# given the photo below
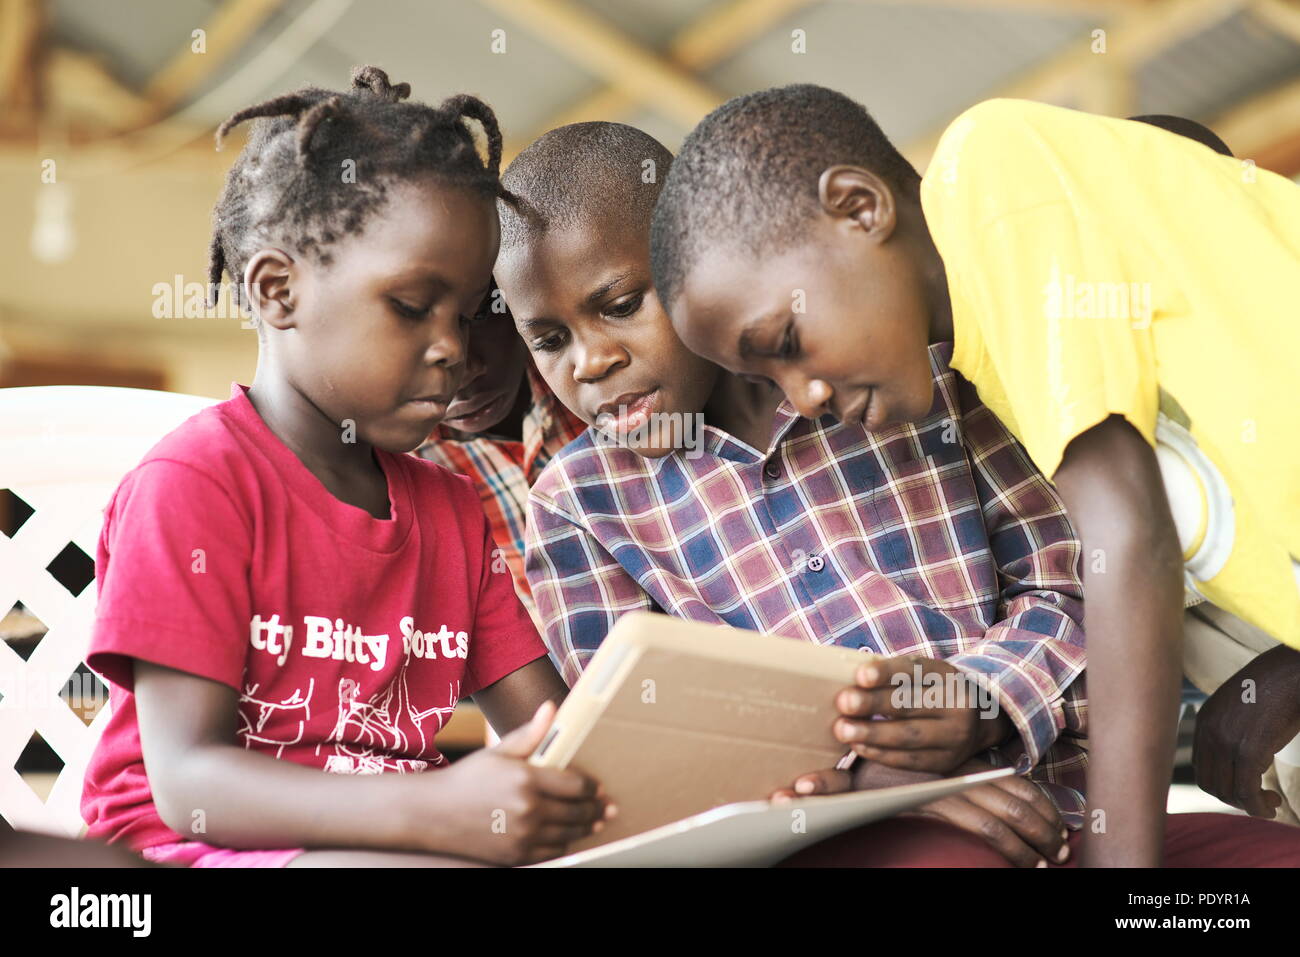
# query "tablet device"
(676, 717)
(762, 833)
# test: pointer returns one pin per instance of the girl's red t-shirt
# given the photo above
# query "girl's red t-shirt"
(349, 639)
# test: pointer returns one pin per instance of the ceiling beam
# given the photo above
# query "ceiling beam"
(1265, 129)
(1062, 7)
(178, 134)
(22, 27)
(721, 31)
(1133, 38)
(1281, 15)
(725, 28)
(620, 61)
(84, 98)
(229, 28)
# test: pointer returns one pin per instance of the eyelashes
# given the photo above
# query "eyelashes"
(626, 308)
(408, 311)
(416, 313)
(622, 310)
(549, 343)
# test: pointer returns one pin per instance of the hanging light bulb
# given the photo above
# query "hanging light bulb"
(53, 237)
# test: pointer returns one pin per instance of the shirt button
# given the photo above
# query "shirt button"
(816, 563)
(772, 470)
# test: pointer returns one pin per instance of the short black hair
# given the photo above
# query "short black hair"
(318, 162)
(748, 173)
(582, 173)
(1185, 127)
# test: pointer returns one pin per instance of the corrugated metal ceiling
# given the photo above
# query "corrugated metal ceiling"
(915, 65)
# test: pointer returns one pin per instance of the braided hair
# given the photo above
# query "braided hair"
(318, 163)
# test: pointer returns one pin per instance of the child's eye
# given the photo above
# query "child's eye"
(625, 308)
(408, 311)
(549, 343)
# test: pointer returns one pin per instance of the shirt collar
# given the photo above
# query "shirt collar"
(723, 444)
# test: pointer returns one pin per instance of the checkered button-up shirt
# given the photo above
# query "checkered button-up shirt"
(937, 538)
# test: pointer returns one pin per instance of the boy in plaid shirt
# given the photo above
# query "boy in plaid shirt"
(936, 545)
(1139, 344)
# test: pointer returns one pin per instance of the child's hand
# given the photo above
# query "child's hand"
(1236, 740)
(922, 735)
(865, 776)
(497, 807)
(1012, 814)
(826, 781)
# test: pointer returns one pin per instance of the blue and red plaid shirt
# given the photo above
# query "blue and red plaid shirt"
(937, 539)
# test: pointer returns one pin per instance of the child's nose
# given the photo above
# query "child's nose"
(808, 396)
(809, 410)
(596, 360)
(447, 348)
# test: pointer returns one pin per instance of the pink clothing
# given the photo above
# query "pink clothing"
(194, 854)
(349, 639)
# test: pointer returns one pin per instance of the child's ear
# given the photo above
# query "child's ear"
(269, 279)
(859, 196)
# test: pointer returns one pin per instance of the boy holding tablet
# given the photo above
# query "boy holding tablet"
(937, 545)
(1120, 298)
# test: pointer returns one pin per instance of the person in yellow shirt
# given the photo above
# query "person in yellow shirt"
(1121, 297)
(1233, 739)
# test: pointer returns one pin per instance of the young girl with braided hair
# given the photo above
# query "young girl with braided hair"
(289, 605)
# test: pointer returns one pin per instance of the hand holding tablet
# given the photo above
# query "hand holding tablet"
(678, 718)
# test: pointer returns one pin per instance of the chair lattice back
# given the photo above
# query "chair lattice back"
(63, 450)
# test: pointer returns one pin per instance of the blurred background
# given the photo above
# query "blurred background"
(107, 108)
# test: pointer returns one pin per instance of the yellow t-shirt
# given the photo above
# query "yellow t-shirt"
(1101, 266)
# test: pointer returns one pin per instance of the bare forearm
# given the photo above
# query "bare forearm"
(514, 699)
(232, 797)
(1133, 590)
(1135, 671)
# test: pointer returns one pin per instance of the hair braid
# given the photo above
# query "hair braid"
(216, 266)
(312, 119)
(462, 105)
(286, 186)
(290, 104)
(376, 81)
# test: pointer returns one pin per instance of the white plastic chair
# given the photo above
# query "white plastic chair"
(63, 450)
